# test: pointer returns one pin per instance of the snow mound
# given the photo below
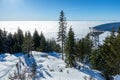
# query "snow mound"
(10, 57)
(117, 77)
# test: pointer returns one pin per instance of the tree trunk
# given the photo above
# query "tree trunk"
(62, 51)
(107, 77)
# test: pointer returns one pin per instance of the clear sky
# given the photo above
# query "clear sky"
(50, 9)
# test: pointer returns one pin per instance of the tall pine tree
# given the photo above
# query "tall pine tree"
(62, 30)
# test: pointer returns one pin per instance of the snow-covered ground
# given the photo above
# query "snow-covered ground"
(53, 68)
(7, 65)
(49, 67)
(117, 77)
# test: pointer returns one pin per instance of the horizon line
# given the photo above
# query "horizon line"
(58, 20)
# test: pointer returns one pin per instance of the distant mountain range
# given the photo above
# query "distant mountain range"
(108, 26)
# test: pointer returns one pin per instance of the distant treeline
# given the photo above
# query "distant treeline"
(19, 42)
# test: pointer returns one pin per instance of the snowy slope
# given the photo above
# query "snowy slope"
(8, 64)
(51, 67)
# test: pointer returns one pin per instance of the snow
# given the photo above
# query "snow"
(7, 66)
(103, 36)
(50, 66)
(117, 77)
(53, 67)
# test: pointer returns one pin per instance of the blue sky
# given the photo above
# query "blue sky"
(50, 9)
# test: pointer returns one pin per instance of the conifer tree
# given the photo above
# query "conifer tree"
(5, 47)
(70, 49)
(36, 40)
(27, 43)
(48, 46)
(10, 43)
(42, 47)
(54, 46)
(15, 44)
(107, 57)
(80, 50)
(83, 49)
(20, 38)
(1, 41)
(30, 41)
(62, 30)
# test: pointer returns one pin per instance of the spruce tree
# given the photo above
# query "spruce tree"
(1, 41)
(55, 47)
(6, 42)
(48, 46)
(27, 43)
(62, 31)
(15, 44)
(20, 38)
(107, 57)
(80, 50)
(42, 47)
(30, 42)
(83, 49)
(70, 49)
(10, 43)
(36, 40)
